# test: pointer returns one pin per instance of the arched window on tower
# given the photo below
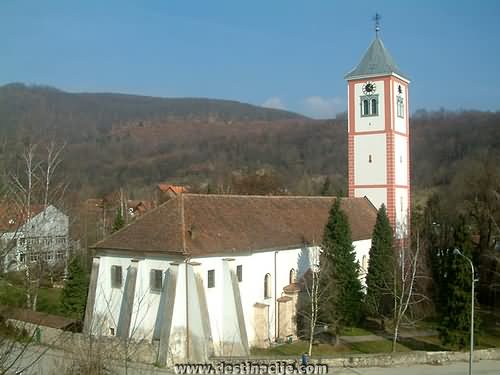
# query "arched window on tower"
(370, 158)
(293, 276)
(267, 286)
(366, 107)
(400, 107)
(374, 107)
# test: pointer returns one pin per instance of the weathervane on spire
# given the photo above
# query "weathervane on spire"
(377, 19)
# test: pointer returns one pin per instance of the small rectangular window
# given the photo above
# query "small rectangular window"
(156, 280)
(116, 276)
(239, 273)
(211, 279)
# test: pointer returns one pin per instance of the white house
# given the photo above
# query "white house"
(213, 274)
(43, 235)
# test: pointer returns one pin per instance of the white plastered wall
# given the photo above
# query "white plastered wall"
(400, 122)
(369, 123)
(366, 172)
(401, 159)
(377, 196)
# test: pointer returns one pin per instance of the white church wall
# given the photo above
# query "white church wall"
(255, 266)
(108, 299)
(401, 159)
(146, 300)
(370, 159)
(362, 249)
(376, 195)
(220, 298)
(369, 123)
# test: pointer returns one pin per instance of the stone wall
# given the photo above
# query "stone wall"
(399, 359)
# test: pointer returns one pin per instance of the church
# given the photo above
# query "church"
(206, 275)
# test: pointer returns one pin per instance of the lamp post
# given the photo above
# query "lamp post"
(458, 252)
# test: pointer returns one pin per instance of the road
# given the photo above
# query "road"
(461, 368)
(56, 362)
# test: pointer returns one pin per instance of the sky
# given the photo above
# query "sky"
(278, 53)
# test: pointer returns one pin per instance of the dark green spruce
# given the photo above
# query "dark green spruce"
(74, 294)
(455, 308)
(379, 279)
(341, 287)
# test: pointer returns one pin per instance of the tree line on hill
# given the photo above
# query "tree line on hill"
(134, 142)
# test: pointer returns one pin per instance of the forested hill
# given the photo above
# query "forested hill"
(115, 140)
(43, 107)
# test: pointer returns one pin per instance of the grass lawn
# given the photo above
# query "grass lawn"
(48, 298)
(299, 347)
(356, 331)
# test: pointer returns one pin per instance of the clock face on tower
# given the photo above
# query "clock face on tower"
(369, 88)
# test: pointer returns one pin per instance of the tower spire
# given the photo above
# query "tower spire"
(377, 19)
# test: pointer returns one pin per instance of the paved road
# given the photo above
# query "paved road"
(462, 368)
(56, 362)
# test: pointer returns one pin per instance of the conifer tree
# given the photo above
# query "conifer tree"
(119, 222)
(379, 279)
(74, 294)
(341, 287)
(327, 187)
(455, 309)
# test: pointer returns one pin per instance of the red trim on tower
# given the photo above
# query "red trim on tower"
(390, 121)
(350, 140)
(380, 186)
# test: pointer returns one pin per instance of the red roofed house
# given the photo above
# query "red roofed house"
(165, 192)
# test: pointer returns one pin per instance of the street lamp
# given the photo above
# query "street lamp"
(457, 252)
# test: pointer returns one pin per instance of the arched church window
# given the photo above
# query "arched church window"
(366, 107)
(400, 107)
(267, 286)
(370, 158)
(293, 276)
(374, 107)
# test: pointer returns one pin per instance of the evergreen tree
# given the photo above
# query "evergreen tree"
(327, 187)
(74, 294)
(341, 287)
(379, 279)
(119, 222)
(455, 307)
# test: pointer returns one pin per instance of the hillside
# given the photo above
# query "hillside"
(43, 107)
(118, 140)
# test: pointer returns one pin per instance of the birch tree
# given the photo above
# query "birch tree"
(35, 184)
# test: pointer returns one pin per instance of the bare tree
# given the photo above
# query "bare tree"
(314, 294)
(404, 289)
(309, 302)
(36, 185)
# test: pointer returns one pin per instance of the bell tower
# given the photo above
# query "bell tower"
(378, 134)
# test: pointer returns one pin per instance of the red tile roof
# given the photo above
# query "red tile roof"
(38, 318)
(12, 217)
(199, 224)
(175, 188)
